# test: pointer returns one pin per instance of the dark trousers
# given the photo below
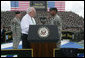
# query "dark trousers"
(25, 42)
(2, 39)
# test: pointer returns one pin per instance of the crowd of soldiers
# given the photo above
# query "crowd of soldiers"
(70, 21)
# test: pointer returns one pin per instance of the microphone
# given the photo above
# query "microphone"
(43, 20)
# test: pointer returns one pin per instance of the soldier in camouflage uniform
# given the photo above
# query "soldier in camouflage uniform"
(16, 30)
(56, 21)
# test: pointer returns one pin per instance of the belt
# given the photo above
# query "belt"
(24, 34)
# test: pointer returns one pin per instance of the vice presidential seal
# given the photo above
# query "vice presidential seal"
(43, 32)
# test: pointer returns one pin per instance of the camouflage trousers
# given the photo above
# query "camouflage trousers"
(60, 37)
(16, 41)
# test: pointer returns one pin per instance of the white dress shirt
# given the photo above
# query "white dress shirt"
(25, 22)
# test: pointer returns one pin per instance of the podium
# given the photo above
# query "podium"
(43, 39)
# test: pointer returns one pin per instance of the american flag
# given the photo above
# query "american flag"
(19, 5)
(60, 5)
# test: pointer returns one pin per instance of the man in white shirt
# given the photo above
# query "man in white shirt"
(26, 21)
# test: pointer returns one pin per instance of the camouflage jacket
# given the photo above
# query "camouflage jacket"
(56, 20)
(15, 26)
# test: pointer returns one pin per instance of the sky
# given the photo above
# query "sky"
(74, 6)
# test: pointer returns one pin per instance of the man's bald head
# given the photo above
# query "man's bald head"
(31, 11)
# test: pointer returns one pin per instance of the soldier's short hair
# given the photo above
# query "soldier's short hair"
(55, 9)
